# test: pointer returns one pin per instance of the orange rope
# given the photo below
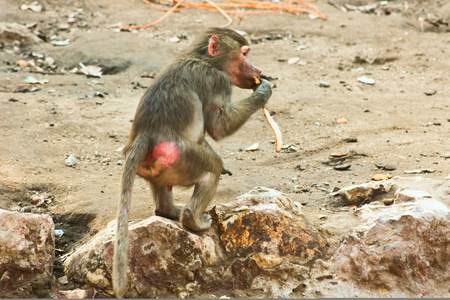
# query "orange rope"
(154, 23)
(291, 6)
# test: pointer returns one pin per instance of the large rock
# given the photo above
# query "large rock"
(261, 243)
(163, 258)
(10, 32)
(401, 250)
(271, 238)
(27, 243)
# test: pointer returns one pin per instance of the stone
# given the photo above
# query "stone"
(363, 193)
(10, 32)
(273, 242)
(162, 258)
(261, 242)
(399, 251)
(443, 189)
(27, 253)
(411, 195)
(271, 229)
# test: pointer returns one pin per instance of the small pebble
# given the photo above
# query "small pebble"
(366, 80)
(71, 160)
(324, 84)
(63, 280)
(388, 201)
(59, 233)
(293, 60)
(342, 167)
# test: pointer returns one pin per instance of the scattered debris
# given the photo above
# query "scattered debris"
(299, 167)
(388, 201)
(432, 93)
(433, 20)
(75, 294)
(342, 167)
(293, 60)
(152, 75)
(338, 154)
(384, 166)
(324, 84)
(350, 140)
(26, 89)
(63, 280)
(60, 43)
(11, 32)
(341, 121)
(59, 233)
(253, 147)
(336, 161)
(71, 160)
(174, 39)
(35, 6)
(290, 149)
(34, 80)
(366, 80)
(363, 193)
(90, 71)
(22, 63)
(423, 171)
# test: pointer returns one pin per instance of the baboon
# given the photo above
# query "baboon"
(167, 143)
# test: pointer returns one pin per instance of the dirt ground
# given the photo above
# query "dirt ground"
(402, 120)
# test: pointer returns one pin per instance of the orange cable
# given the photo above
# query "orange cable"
(291, 6)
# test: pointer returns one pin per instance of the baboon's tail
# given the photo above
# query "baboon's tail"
(136, 155)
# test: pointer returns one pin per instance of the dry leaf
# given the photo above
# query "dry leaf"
(94, 71)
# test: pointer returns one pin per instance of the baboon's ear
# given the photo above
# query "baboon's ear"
(213, 47)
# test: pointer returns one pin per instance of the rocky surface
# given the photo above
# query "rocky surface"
(402, 250)
(27, 247)
(260, 243)
(338, 129)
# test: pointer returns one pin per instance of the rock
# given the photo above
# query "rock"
(273, 236)
(10, 32)
(273, 227)
(411, 195)
(71, 160)
(366, 80)
(363, 193)
(163, 258)
(443, 189)
(293, 60)
(324, 84)
(74, 294)
(27, 253)
(260, 242)
(400, 250)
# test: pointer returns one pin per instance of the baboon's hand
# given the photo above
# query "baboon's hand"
(264, 91)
